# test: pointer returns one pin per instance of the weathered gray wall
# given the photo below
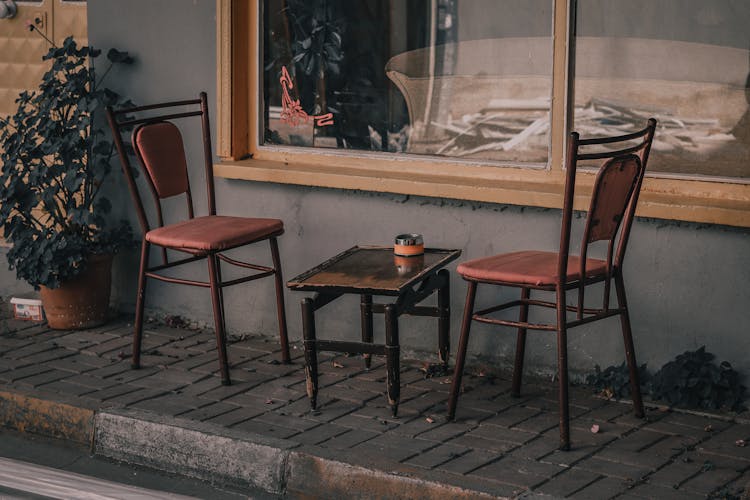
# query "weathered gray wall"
(687, 282)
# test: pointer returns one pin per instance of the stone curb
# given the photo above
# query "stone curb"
(214, 453)
(46, 417)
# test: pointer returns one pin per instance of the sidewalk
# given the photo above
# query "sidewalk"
(175, 414)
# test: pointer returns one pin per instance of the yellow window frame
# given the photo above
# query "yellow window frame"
(241, 157)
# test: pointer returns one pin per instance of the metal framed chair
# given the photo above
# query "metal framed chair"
(611, 211)
(159, 147)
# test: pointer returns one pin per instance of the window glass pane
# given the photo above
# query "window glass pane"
(462, 79)
(684, 62)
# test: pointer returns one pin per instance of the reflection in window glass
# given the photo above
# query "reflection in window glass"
(468, 80)
(684, 62)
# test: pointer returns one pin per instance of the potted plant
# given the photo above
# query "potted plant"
(53, 161)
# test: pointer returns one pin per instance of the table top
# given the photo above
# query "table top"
(372, 269)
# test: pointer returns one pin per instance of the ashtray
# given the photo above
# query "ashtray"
(408, 245)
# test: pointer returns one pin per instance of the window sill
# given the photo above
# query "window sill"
(676, 199)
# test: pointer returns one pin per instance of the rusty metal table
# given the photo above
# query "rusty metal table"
(375, 271)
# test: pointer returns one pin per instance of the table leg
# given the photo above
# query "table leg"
(444, 320)
(366, 310)
(392, 354)
(311, 352)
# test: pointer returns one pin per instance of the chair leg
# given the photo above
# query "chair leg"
(221, 340)
(311, 351)
(461, 354)
(280, 309)
(139, 305)
(523, 316)
(444, 320)
(392, 358)
(562, 370)
(627, 336)
(365, 307)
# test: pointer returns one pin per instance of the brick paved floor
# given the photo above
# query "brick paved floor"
(498, 444)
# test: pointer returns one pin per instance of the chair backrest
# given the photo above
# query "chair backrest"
(614, 194)
(160, 150)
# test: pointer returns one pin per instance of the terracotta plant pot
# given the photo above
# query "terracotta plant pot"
(83, 301)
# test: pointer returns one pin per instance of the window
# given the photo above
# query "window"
(404, 112)
(683, 62)
(469, 80)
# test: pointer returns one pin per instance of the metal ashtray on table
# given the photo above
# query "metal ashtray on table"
(375, 271)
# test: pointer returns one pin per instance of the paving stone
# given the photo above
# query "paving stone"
(239, 414)
(495, 433)
(663, 493)
(266, 429)
(86, 380)
(116, 368)
(637, 440)
(130, 398)
(709, 480)
(725, 443)
(277, 417)
(43, 378)
(349, 439)
(171, 404)
(612, 469)
(675, 473)
(77, 363)
(389, 440)
(83, 339)
(436, 456)
(65, 387)
(671, 446)
(366, 423)
(386, 453)
(21, 373)
(469, 461)
(260, 403)
(468, 415)
(209, 411)
(164, 379)
(29, 350)
(439, 432)
(633, 458)
(606, 487)
(319, 434)
(537, 424)
(512, 416)
(112, 392)
(113, 345)
(693, 421)
(482, 444)
(7, 365)
(519, 472)
(568, 482)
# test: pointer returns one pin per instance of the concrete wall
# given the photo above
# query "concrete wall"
(688, 283)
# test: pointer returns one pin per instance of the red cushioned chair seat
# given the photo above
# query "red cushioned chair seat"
(527, 267)
(213, 232)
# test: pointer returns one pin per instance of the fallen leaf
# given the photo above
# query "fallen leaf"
(595, 428)
(708, 428)
(741, 443)
(430, 420)
(269, 401)
(336, 364)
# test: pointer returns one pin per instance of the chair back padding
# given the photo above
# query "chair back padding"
(612, 193)
(160, 149)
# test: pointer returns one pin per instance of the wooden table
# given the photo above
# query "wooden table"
(369, 271)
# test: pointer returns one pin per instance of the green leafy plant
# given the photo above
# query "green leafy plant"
(53, 161)
(691, 380)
